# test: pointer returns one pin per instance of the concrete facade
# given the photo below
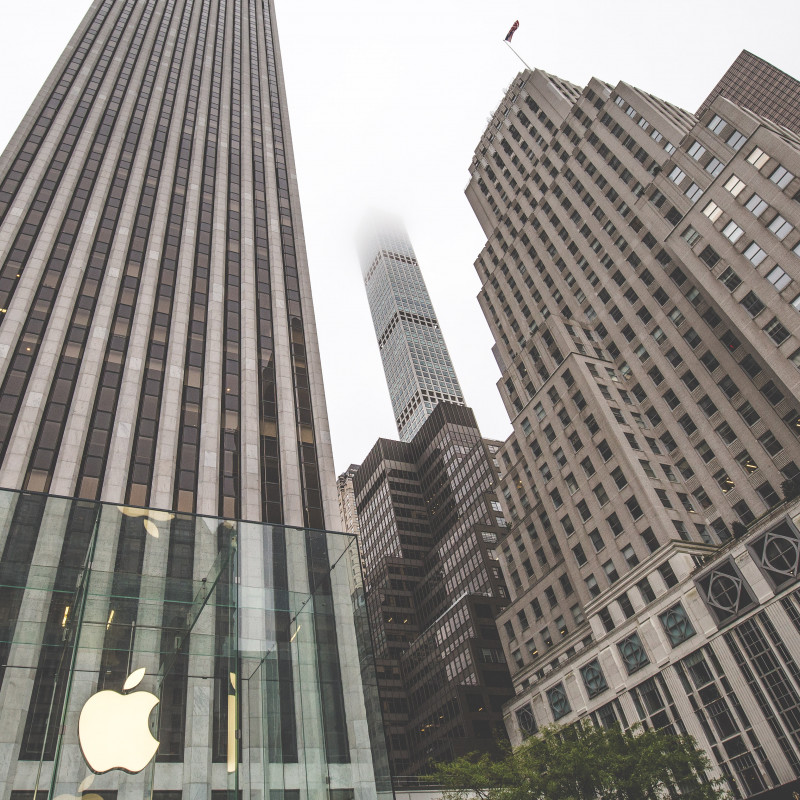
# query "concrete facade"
(348, 515)
(641, 278)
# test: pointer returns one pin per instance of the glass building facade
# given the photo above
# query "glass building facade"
(429, 524)
(416, 362)
(241, 661)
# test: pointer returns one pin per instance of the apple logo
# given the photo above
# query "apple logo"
(113, 730)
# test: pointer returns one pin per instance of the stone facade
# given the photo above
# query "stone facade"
(641, 278)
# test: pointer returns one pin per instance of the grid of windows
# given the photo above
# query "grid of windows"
(417, 364)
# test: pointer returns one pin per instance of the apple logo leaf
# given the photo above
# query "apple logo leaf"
(134, 679)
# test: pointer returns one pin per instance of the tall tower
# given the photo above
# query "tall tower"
(418, 368)
(159, 362)
(641, 278)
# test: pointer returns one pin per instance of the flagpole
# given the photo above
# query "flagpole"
(517, 54)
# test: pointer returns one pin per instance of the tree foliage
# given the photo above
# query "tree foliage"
(586, 762)
(791, 488)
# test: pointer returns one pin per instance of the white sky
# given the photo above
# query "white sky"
(387, 102)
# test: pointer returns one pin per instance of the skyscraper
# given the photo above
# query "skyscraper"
(641, 278)
(430, 521)
(416, 362)
(159, 362)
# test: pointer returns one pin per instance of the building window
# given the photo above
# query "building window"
(781, 176)
(756, 205)
(601, 494)
(559, 703)
(770, 443)
(614, 524)
(694, 192)
(650, 539)
(634, 508)
(606, 619)
(610, 571)
(633, 653)
(717, 124)
(748, 414)
(646, 590)
(777, 552)
(735, 185)
(726, 433)
(772, 393)
(725, 591)
(526, 721)
(593, 678)
(709, 361)
(625, 604)
(732, 232)
(677, 625)
(780, 227)
(779, 279)
(768, 494)
(754, 254)
(730, 279)
(668, 575)
(776, 331)
(757, 158)
(677, 175)
(752, 304)
(736, 140)
(710, 256)
(630, 555)
(712, 211)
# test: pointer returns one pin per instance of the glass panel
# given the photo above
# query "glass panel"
(149, 650)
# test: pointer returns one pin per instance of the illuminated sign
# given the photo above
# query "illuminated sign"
(113, 729)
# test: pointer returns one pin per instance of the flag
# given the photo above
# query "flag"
(511, 32)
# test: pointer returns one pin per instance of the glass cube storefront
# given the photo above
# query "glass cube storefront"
(145, 653)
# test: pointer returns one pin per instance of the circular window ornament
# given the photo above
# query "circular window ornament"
(780, 554)
(559, 704)
(526, 721)
(593, 678)
(677, 624)
(633, 653)
(724, 591)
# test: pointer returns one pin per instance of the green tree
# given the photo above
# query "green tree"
(791, 488)
(586, 762)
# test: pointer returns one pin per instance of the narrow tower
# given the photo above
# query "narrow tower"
(419, 372)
